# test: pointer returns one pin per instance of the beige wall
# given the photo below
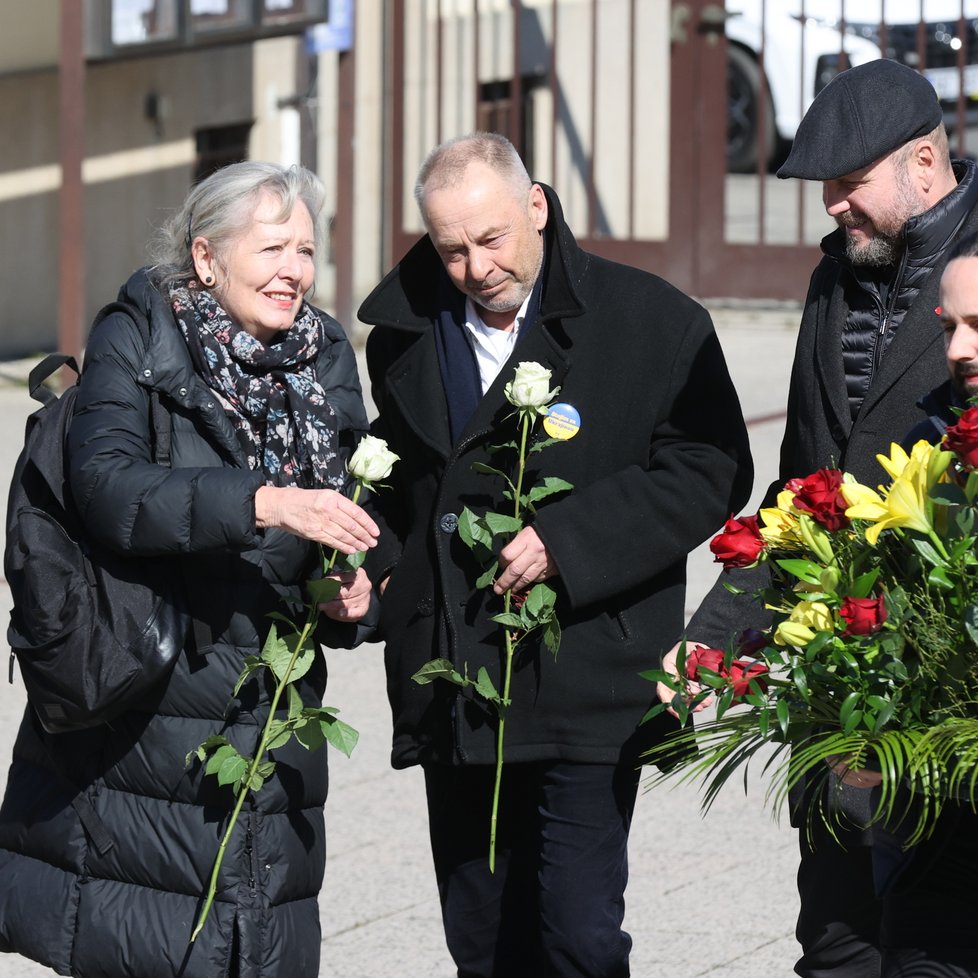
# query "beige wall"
(134, 173)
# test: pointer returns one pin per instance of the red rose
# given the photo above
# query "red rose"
(711, 659)
(738, 544)
(962, 438)
(863, 616)
(819, 495)
(742, 671)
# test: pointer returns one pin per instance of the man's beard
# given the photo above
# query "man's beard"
(881, 251)
(960, 373)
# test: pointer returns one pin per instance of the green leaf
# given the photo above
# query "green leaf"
(551, 636)
(488, 576)
(304, 660)
(473, 531)
(233, 770)
(339, 734)
(323, 589)
(939, 578)
(266, 769)
(500, 523)
(509, 619)
(863, 585)
(804, 570)
(847, 710)
(549, 486)
(275, 653)
(309, 732)
(947, 494)
(439, 669)
(927, 551)
(660, 676)
(251, 665)
(219, 757)
(511, 445)
(347, 562)
(784, 716)
(489, 470)
(484, 686)
(539, 446)
(295, 701)
(202, 750)
(539, 604)
(971, 486)
(279, 733)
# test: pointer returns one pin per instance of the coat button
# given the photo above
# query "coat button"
(425, 607)
(448, 523)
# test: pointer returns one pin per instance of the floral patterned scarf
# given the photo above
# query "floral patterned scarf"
(271, 394)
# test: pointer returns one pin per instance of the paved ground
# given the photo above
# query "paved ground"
(709, 896)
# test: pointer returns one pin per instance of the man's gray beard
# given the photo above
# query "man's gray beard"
(882, 251)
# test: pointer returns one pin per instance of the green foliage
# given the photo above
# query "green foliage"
(287, 656)
(524, 619)
(900, 696)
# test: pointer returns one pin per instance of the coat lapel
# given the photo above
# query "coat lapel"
(538, 347)
(414, 382)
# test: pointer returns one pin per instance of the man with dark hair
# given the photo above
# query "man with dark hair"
(867, 351)
(658, 460)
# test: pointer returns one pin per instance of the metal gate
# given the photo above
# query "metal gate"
(640, 113)
(620, 105)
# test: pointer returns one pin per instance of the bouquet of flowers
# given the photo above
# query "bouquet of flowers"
(871, 660)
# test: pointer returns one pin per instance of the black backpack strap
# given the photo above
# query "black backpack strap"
(41, 371)
(92, 823)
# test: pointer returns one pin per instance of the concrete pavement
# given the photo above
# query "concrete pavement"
(709, 896)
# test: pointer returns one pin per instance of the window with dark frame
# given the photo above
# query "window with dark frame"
(220, 145)
(495, 112)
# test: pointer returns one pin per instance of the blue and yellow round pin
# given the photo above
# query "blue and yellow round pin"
(563, 421)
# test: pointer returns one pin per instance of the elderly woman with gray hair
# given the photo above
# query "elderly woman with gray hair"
(264, 403)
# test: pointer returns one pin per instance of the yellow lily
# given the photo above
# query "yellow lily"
(780, 527)
(906, 503)
(807, 619)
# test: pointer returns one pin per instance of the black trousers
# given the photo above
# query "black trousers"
(921, 921)
(554, 906)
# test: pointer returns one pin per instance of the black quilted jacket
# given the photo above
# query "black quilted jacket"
(128, 912)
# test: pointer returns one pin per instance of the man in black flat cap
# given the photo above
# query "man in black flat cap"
(868, 349)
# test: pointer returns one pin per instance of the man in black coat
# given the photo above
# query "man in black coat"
(659, 460)
(868, 350)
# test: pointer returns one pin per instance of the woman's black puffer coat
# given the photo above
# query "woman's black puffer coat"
(126, 908)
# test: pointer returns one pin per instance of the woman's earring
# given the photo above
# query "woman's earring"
(208, 280)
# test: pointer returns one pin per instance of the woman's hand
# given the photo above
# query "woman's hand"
(667, 695)
(353, 601)
(322, 515)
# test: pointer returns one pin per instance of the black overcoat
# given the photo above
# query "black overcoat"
(661, 459)
(127, 911)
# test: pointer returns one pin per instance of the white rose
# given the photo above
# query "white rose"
(372, 461)
(530, 387)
